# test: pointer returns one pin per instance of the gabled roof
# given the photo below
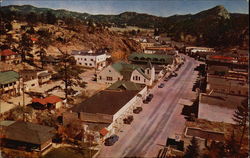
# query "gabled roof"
(44, 101)
(126, 69)
(7, 52)
(52, 99)
(28, 132)
(126, 85)
(8, 77)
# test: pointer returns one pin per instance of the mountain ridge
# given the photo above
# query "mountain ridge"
(211, 27)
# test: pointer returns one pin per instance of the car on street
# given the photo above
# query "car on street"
(128, 120)
(161, 85)
(137, 110)
(166, 78)
(111, 140)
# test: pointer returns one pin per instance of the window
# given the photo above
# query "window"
(86, 64)
(118, 78)
(91, 59)
(85, 59)
(136, 77)
(109, 70)
(33, 85)
(144, 80)
(100, 77)
(90, 64)
(109, 78)
(139, 78)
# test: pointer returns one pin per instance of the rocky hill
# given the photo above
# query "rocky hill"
(214, 27)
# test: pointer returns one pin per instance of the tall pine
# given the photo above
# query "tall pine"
(241, 118)
(192, 150)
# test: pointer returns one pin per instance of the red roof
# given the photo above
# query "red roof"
(7, 52)
(104, 131)
(50, 100)
(34, 39)
(221, 57)
(39, 100)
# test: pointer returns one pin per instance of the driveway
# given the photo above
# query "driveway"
(159, 119)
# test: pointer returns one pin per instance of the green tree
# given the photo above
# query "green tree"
(192, 150)
(43, 43)
(25, 46)
(241, 118)
(68, 71)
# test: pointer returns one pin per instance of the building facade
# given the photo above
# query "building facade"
(90, 59)
(128, 72)
(10, 57)
(10, 83)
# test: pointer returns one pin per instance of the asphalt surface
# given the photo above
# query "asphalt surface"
(159, 119)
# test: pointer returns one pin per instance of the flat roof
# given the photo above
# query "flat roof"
(105, 102)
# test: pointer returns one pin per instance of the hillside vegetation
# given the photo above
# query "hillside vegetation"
(214, 27)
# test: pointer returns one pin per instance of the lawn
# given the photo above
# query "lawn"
(66, 152)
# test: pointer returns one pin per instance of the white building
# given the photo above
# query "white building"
(90, 59)
(128, 72)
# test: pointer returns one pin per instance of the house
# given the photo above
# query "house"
(43, 77)
(27, 136)
(158, 59)
(90, 58)
(99, 110)
(10, 57)
(128, 72)
(10, 83)
(30, 79)
(48, 102)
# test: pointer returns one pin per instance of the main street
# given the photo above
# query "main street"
(159, 119)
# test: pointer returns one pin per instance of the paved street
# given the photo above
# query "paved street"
(159, 119)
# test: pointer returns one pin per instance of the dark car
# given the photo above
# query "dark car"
(111, 140)
(145, 101)
(128, 120)
(174, 74)
(161, 85)
(151, 95)
(166, 78)
(137, 110)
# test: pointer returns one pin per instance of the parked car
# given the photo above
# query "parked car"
(137, 110)
(161, 85)
(151, 95)
(145, 101)
(111, 140)
(128, 120)
(166, 78)
(174, 74)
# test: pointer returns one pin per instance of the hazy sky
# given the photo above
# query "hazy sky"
(155, 7)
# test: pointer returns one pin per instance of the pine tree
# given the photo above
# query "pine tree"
(68, 72)
(192, 150)
(241, 117)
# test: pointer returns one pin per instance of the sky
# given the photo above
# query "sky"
(155, 7)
